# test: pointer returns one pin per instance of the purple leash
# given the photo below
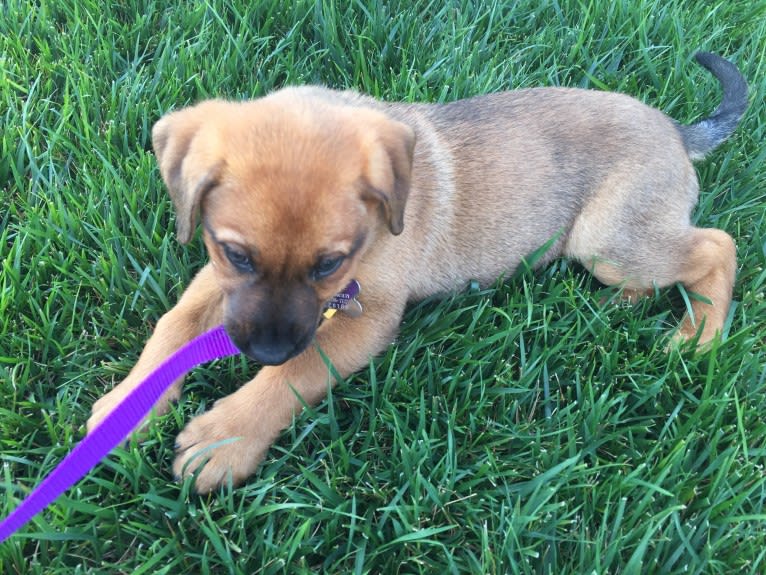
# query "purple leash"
(118, 424)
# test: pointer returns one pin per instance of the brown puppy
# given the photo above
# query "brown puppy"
(304, 190)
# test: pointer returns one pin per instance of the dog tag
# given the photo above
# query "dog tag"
(345, 301)
(353, 309)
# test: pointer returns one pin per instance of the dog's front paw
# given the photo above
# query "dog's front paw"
(106, 404)
(219, 447)
(103, 407)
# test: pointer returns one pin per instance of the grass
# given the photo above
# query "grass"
(519, 429)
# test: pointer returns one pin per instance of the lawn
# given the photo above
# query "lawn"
(526, 428)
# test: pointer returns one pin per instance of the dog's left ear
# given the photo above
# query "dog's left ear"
(187, 162)
(389, 169)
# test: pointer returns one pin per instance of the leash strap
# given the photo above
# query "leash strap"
(116, 426)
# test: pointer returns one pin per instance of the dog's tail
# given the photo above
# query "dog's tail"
(706, 135)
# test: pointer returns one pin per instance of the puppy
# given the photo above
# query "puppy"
(307, 191)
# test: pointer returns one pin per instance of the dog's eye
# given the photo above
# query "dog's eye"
(327, 266)
(239, 259)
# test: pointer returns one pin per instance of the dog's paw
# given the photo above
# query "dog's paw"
(691, 340)
(103, 407)
(219, 448)
(107, 403)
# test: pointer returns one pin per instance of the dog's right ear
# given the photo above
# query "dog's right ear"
(187, 162)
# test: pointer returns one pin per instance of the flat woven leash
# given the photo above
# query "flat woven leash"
(118, 424)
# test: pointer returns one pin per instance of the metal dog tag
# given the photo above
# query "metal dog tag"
(353, 309)
(345, 301)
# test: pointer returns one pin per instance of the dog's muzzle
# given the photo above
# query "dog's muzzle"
(271, 347)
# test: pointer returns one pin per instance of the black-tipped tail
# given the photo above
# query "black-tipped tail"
(706, 135)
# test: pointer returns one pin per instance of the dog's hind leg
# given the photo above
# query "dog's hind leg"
(707, 271)
(702, 259)
(199, 309)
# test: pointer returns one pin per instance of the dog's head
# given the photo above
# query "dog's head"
(291, 190)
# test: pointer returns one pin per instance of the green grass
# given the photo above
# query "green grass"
(521, 429)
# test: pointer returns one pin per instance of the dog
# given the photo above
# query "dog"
(308, 195)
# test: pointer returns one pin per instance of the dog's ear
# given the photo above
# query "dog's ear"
(389, 169)
(187, 162)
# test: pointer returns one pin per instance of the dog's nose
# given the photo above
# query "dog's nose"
(270, 353)
(269, 338)
(269, 346)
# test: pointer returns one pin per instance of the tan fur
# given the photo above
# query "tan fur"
(430, 198)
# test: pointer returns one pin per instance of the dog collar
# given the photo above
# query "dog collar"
(345, 301)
